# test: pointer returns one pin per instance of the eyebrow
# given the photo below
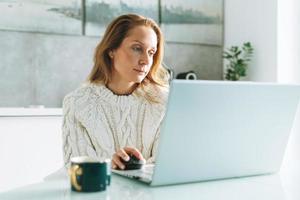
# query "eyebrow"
(144, 44)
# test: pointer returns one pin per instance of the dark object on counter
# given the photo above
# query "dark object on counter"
(190, 75)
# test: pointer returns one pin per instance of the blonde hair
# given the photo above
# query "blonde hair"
(115, 33)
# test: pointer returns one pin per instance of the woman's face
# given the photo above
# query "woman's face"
(133, 59)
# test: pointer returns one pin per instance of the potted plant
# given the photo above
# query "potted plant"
(237, 61)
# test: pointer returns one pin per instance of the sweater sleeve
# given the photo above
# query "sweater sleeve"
(154, 147)
(76, 139)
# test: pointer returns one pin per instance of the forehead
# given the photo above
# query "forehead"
(143, 34)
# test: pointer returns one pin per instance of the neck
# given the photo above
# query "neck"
(121, 87)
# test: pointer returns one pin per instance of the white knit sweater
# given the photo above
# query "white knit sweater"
(97, 122)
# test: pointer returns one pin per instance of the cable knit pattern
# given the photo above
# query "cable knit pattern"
(97, 122)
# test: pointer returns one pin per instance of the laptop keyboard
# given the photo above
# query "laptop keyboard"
(148, 169)
(144, 174)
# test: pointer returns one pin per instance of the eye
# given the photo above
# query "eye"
(137, 48)
(151, 53)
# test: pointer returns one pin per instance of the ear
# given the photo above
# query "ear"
(111, 54)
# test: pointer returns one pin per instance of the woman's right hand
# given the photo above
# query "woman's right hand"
(123, 154)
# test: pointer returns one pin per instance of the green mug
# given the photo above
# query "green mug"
(88, 174)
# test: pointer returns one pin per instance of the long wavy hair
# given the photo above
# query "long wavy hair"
(115, 33)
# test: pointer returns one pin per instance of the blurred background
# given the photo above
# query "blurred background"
(47, 46)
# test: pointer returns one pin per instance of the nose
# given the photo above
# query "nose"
(145, 59)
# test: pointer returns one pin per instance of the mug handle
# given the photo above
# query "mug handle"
(75, 171)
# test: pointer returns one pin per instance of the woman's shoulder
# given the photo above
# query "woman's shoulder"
(158, 94)
(155, 98)
(162, 94)
(83, 93)
(158, 105)
(79, 92)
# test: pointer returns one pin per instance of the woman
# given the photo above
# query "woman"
(119, 110)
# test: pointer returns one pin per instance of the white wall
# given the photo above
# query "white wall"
(254, 21)
(289, 41)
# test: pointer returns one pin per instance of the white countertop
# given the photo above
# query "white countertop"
(259, 187)
(24, 112)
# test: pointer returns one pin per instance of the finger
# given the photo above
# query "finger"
(134, 151)
(113, 164)
(122, 153)
(118, 162)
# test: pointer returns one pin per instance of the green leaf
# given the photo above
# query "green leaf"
(238, 59)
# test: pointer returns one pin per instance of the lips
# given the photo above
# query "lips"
(139, 71)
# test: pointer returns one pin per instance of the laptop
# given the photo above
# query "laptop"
(220, 129)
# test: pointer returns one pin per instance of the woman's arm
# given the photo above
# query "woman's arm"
(154, 147)
(76, 139)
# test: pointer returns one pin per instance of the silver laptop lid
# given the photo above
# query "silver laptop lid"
(216, 129)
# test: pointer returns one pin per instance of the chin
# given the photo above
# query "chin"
(138, 79)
